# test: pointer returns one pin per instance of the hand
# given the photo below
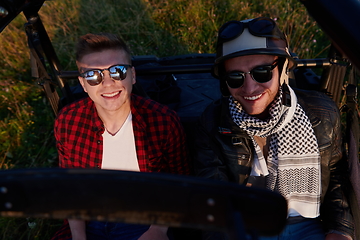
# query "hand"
(155, 233)
(335, 236)
(77, 228)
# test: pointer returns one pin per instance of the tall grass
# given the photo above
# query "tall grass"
(151, 27)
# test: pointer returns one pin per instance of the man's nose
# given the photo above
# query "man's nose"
(107, 79)
(249, 83)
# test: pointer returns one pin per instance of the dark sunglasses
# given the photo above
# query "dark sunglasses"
(260, 27)
(95, 76)
(260, 74)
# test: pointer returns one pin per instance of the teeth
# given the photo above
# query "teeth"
(110, 94)
(252, 98)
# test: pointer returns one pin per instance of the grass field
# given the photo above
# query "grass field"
(151, 27)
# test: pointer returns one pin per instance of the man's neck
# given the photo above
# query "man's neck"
(113, 120)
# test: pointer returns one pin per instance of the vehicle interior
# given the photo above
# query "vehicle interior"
(185, 84)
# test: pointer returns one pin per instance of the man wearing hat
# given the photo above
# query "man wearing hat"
(262, 133)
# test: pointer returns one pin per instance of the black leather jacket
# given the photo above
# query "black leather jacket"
(225, 152)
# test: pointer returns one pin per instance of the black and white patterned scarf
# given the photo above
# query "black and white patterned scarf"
(293, 164)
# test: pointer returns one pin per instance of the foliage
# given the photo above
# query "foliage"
(150, 27)
(196, 22)
(29, 228)
(24, 137)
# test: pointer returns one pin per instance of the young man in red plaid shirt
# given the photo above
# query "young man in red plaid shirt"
(115, 129)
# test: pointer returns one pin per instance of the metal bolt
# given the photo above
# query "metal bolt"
(210, 218)
(3, 190)
(3, 12)
(8, 205)
(211, 202)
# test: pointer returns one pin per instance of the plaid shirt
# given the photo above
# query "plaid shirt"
(159, 136)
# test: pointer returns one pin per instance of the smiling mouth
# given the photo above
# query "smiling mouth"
(110, 94)
(252, 98)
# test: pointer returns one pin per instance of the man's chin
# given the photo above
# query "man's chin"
(261, 114)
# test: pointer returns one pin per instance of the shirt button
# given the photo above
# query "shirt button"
(99, 141)
(98, 166)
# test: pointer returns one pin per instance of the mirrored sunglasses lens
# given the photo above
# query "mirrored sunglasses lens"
(262, 74)
(118, 72)
(93, 77)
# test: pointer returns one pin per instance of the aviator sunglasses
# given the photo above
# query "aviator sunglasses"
(96, 76)
(260, 27)
(260, 74)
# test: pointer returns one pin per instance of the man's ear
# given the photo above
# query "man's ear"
(81, 80)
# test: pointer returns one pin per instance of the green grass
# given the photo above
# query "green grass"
(151, 27)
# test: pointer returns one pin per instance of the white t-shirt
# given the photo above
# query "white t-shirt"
(119, 152)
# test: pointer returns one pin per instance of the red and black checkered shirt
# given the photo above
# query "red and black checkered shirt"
(159, 136)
